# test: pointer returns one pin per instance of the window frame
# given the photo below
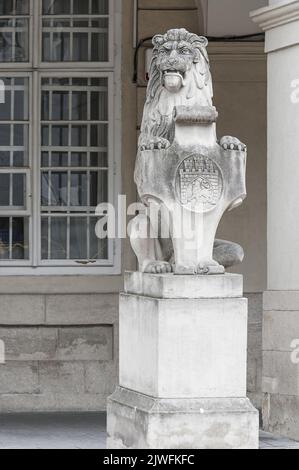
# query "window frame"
(36, 70)
(14, 66)
(37, 56)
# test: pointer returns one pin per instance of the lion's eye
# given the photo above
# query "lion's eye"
(185, 51)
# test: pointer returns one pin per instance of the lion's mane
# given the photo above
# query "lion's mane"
(158, 111)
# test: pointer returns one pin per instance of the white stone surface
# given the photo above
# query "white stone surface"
(137, 421)
(168, 286)
(182, 367)
(179, 347)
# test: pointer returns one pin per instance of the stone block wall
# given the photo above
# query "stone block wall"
(60, 352)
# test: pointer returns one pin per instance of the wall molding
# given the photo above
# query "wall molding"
(237, 51)
(276, 15)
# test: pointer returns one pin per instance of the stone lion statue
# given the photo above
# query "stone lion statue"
(180, 84)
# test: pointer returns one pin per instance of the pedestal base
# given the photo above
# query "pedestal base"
(137, 421)
(182, 368)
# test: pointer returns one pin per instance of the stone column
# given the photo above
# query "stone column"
(280, 20)
(183, 348)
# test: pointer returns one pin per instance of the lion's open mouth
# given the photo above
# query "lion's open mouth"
(173, 78)
(174, 72)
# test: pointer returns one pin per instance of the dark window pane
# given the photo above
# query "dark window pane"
(60, 136)
(99, 106)
(78, 189)
(98, 247)
(80, 49)
(98, 187)
(46, 47)
(4, 158)
(79, 106)
(99, 42)
(45, 159)
(79, 81)
(58, 237)
(59, 189)
(20, 113)
(79, 136)
(44, 237)
(19, 239)
(100, 7)
(22, 7)
(45, 135)
(60, 106)
(18, 159)
(14, 44)
(59, 49)
(54, 7)
(45, 106)
(5, 106)
(20, 81)
(78, 159)
(59, 159)
(99, 159)
(4, 189)
(4, 135)
(78, 238)
(22, 43)
(4, 238)
(99, 135)
(45, 189)
(6, 7)
(18, 134)
(18, 190)
(80, 7)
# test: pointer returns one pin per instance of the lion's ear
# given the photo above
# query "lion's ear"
(203, 40)
(158, 40)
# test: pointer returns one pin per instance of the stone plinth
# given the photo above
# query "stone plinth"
(182, 365)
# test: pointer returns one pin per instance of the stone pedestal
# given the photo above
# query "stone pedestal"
(183, 347)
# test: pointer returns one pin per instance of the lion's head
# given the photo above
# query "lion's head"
(179, 75)
(177, 54)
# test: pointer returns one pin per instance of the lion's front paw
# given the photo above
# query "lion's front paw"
(232, 143)
(157, 143)
(158, 267)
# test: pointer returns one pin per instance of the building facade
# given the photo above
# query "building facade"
(72, 89)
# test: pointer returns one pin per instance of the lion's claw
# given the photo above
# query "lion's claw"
(155, 144)
(232, 143)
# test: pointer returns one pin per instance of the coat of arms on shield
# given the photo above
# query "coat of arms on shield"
(199, 183)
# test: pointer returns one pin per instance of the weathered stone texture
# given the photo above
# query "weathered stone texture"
(59, 350)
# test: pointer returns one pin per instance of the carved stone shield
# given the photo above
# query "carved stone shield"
(199, 183)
